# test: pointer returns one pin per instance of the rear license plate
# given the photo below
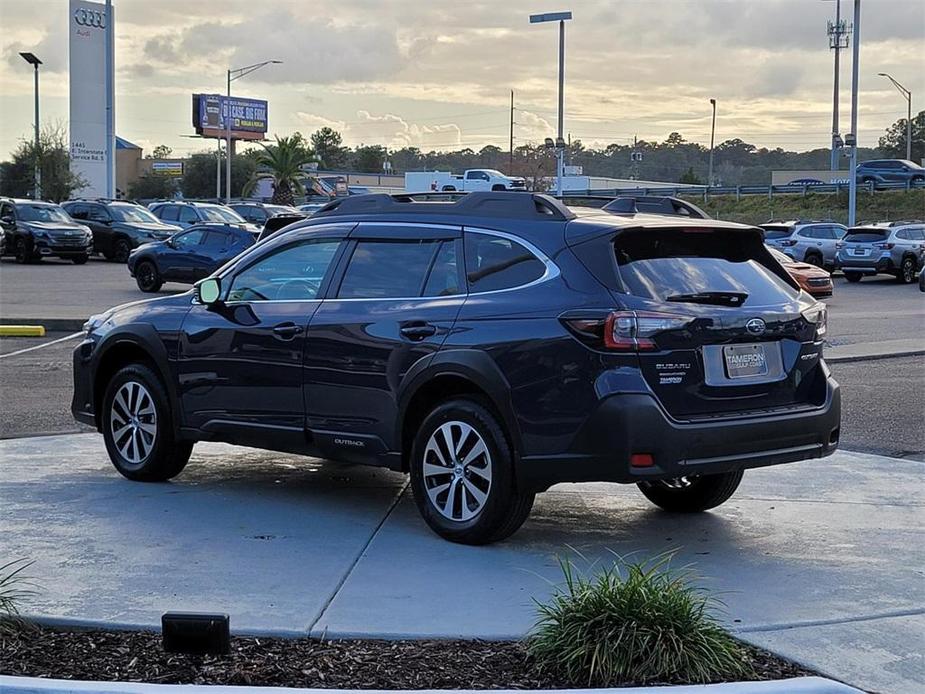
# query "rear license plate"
(860, 251)
(745, 361)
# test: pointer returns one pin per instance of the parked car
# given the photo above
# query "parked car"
(813, 280)
(470, 180)
(894, 250)
(186, 214)
(809, 241)
(491, 347)
(258, 213)
(889, 171)
(118, 226)
(187, 256)
(34, 230)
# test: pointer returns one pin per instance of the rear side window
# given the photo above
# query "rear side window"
(444, 275)
(188, 214)
(215, 239)
(494, 263)
(866, 236)
(777, 232)
(667, 265)
(387, 269)
(167, 213)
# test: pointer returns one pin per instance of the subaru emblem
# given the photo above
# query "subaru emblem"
(755, 326)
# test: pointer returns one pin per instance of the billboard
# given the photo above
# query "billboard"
(248, 117)
(87, 58)
(167, 168)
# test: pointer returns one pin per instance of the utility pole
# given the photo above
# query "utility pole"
(712, 135)
(838, 39)
(511, 149)
(907, 95)
(852, 139)
(110, 103)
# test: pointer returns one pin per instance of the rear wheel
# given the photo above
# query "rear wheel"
(691, 494)
(137, 427)
(814, 259)
(80, 259)
(853, 276)
(462, 475)
(147, 277)
(906, 271)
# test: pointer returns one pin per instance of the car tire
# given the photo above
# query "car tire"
(138, 427)
(813, 259)
(80, 259)
(120, 251)
(475, 502)
(20, 253)
(853, 276)
(692, 494)
(906, 274)
(147, 277)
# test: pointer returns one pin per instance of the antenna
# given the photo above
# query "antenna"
(838, 32)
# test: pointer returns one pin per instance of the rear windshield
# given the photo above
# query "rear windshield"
(777, 232)
(672, 263)
(865, 235)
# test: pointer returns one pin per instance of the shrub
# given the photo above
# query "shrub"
(633, 623)
(14, 587)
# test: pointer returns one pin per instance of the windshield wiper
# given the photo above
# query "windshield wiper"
(716, 298)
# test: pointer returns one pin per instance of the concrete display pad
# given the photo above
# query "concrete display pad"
(820, 561)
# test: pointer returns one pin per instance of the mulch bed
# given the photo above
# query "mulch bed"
(139, 657)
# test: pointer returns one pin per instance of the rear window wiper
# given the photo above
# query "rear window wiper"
(716, 298)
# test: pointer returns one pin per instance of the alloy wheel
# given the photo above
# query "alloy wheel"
(457, 471)
(908, 270)
(146, 275)
(133, 422)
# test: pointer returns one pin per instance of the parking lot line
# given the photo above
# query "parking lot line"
(44, 344)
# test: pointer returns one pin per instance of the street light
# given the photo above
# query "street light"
(560, 17)
(712, 134)
(908, 95)
(235, 74)
(35, 62)
(852, 138)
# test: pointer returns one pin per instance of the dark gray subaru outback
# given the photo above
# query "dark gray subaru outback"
(490, 345)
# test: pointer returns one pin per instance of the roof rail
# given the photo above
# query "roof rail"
(502, 204)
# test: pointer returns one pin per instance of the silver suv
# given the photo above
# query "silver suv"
(806, 241)
(893, 248)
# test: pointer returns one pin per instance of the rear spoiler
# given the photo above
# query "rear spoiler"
(280, 221)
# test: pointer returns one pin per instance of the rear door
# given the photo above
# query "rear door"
(740, 343)
(390, 307)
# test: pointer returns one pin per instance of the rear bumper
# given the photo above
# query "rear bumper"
(866, 266)
(630, 423)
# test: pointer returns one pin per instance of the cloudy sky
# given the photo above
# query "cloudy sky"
(438, 74)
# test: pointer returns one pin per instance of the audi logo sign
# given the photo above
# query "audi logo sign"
(90, 18)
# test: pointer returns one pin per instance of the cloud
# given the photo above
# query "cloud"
(387, 129)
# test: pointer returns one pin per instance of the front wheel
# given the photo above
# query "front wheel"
(853, 276)
(906, 271)
(137, 427)
(691, 494)
(120, 251)
(80, 259)
(462, 475)
(21, 252)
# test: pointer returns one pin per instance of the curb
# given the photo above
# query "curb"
(22, 331)
(830, 359)
(70, 325)
(35, 685)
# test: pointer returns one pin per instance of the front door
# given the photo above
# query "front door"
(391, 306)
(240, 361)
(178, 261)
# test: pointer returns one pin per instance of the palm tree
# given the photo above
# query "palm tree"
(282, 163)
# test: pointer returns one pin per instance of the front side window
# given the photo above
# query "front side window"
(387, 269)
(493, 263)
(168, 213)
(187, 241)
(293, 273)
(97, 214)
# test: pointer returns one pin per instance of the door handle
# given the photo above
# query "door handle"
(418, 331)
(287, 331)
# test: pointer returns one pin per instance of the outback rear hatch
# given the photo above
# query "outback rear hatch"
(863, 243)
(719, 326)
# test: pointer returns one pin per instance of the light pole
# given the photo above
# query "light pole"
(560, 17)
(712, 135)
(235, 74)
(853, 135)
(35, 62)
(908, 95)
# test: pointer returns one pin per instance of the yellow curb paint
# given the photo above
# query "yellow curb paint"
(22, 331)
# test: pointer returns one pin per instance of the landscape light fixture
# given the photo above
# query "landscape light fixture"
(560, 17)
(35, 62)
(196, 633)
(234, 74)
(908, 96)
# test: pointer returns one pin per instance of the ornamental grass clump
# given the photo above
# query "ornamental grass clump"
(633, 623)
(14, 587)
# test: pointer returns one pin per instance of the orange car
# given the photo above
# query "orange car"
(811, 279)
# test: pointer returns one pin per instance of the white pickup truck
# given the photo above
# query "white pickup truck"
(473, 179)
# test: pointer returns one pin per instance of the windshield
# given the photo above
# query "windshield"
(132, 213)
(221, 214)
(675, 263)
(777, 232)
(42, 213)
(866, 235)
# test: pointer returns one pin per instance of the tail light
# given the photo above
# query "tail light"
(884, 246)
(818, 316)
(839, 244)
(634, 331)
(786, 243)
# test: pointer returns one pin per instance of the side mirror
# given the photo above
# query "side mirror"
(7, 219)
(209, 290)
